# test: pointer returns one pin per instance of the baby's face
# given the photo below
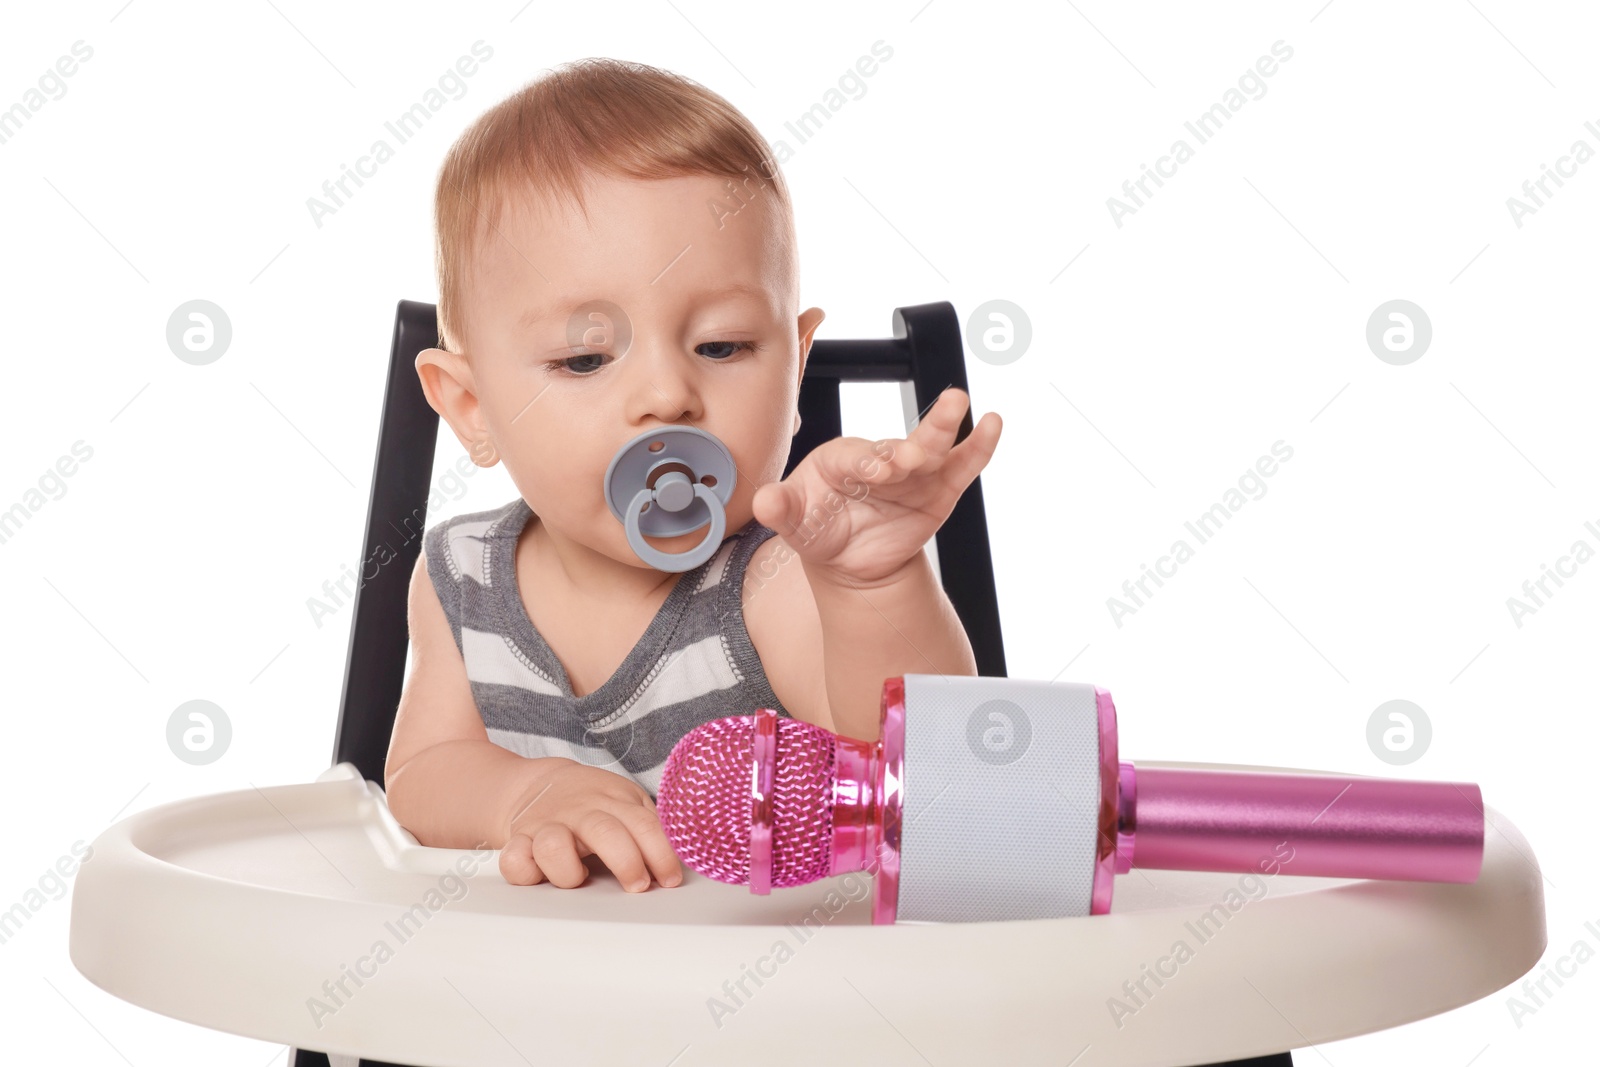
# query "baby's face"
(654, 312)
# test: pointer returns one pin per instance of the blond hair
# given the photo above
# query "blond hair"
(590, 116)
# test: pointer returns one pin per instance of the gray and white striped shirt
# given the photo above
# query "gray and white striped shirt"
(693, 664)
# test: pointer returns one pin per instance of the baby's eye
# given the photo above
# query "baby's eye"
(582, 365)
(586, 364)
(737, 346)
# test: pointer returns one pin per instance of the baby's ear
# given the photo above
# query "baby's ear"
(448, 385)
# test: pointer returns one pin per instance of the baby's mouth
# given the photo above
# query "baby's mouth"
(667, 482)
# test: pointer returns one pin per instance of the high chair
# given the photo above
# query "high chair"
(305, 914)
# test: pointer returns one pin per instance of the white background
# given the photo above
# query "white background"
(1227, 314)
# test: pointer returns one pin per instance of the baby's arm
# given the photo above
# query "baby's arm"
(859, 514)
(906, 625)
(452, 787)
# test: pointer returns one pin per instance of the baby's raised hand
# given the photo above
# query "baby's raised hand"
(579, 810)
(856, 511)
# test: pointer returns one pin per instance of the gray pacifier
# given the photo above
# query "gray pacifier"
(667, 482)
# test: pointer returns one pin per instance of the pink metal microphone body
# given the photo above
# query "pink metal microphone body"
(773, 802)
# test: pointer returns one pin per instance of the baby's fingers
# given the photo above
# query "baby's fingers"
(555, 850)
(517, 865)
(973, 454)
(936, 430)
(653, 843)
(613, 841)
(894, 461)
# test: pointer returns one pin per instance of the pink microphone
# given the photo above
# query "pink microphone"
(999, 798)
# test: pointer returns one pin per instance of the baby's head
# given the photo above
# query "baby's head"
(616, 252)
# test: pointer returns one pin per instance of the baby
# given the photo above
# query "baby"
(616, 253)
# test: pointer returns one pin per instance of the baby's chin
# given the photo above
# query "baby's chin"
(680, 543)
(605, 535)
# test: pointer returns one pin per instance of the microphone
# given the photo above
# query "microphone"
(998, 798)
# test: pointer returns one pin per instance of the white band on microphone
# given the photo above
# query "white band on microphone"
(1002, 799)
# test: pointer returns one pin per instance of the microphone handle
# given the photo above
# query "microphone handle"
(1340, 826)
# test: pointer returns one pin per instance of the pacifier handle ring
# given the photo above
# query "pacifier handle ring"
(676, 561)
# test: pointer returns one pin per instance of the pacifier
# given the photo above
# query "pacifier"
(669, 481)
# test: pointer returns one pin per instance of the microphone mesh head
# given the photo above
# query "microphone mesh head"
(704, 800)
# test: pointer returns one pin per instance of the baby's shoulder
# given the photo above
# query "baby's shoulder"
(460, 544)
(764, 560)
(509, 517)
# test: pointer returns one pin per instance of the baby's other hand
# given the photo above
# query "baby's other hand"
(577, 810)
(856, 511)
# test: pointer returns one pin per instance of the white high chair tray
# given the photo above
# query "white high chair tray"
(241, 911)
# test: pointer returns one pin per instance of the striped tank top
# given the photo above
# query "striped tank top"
(693, 664)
